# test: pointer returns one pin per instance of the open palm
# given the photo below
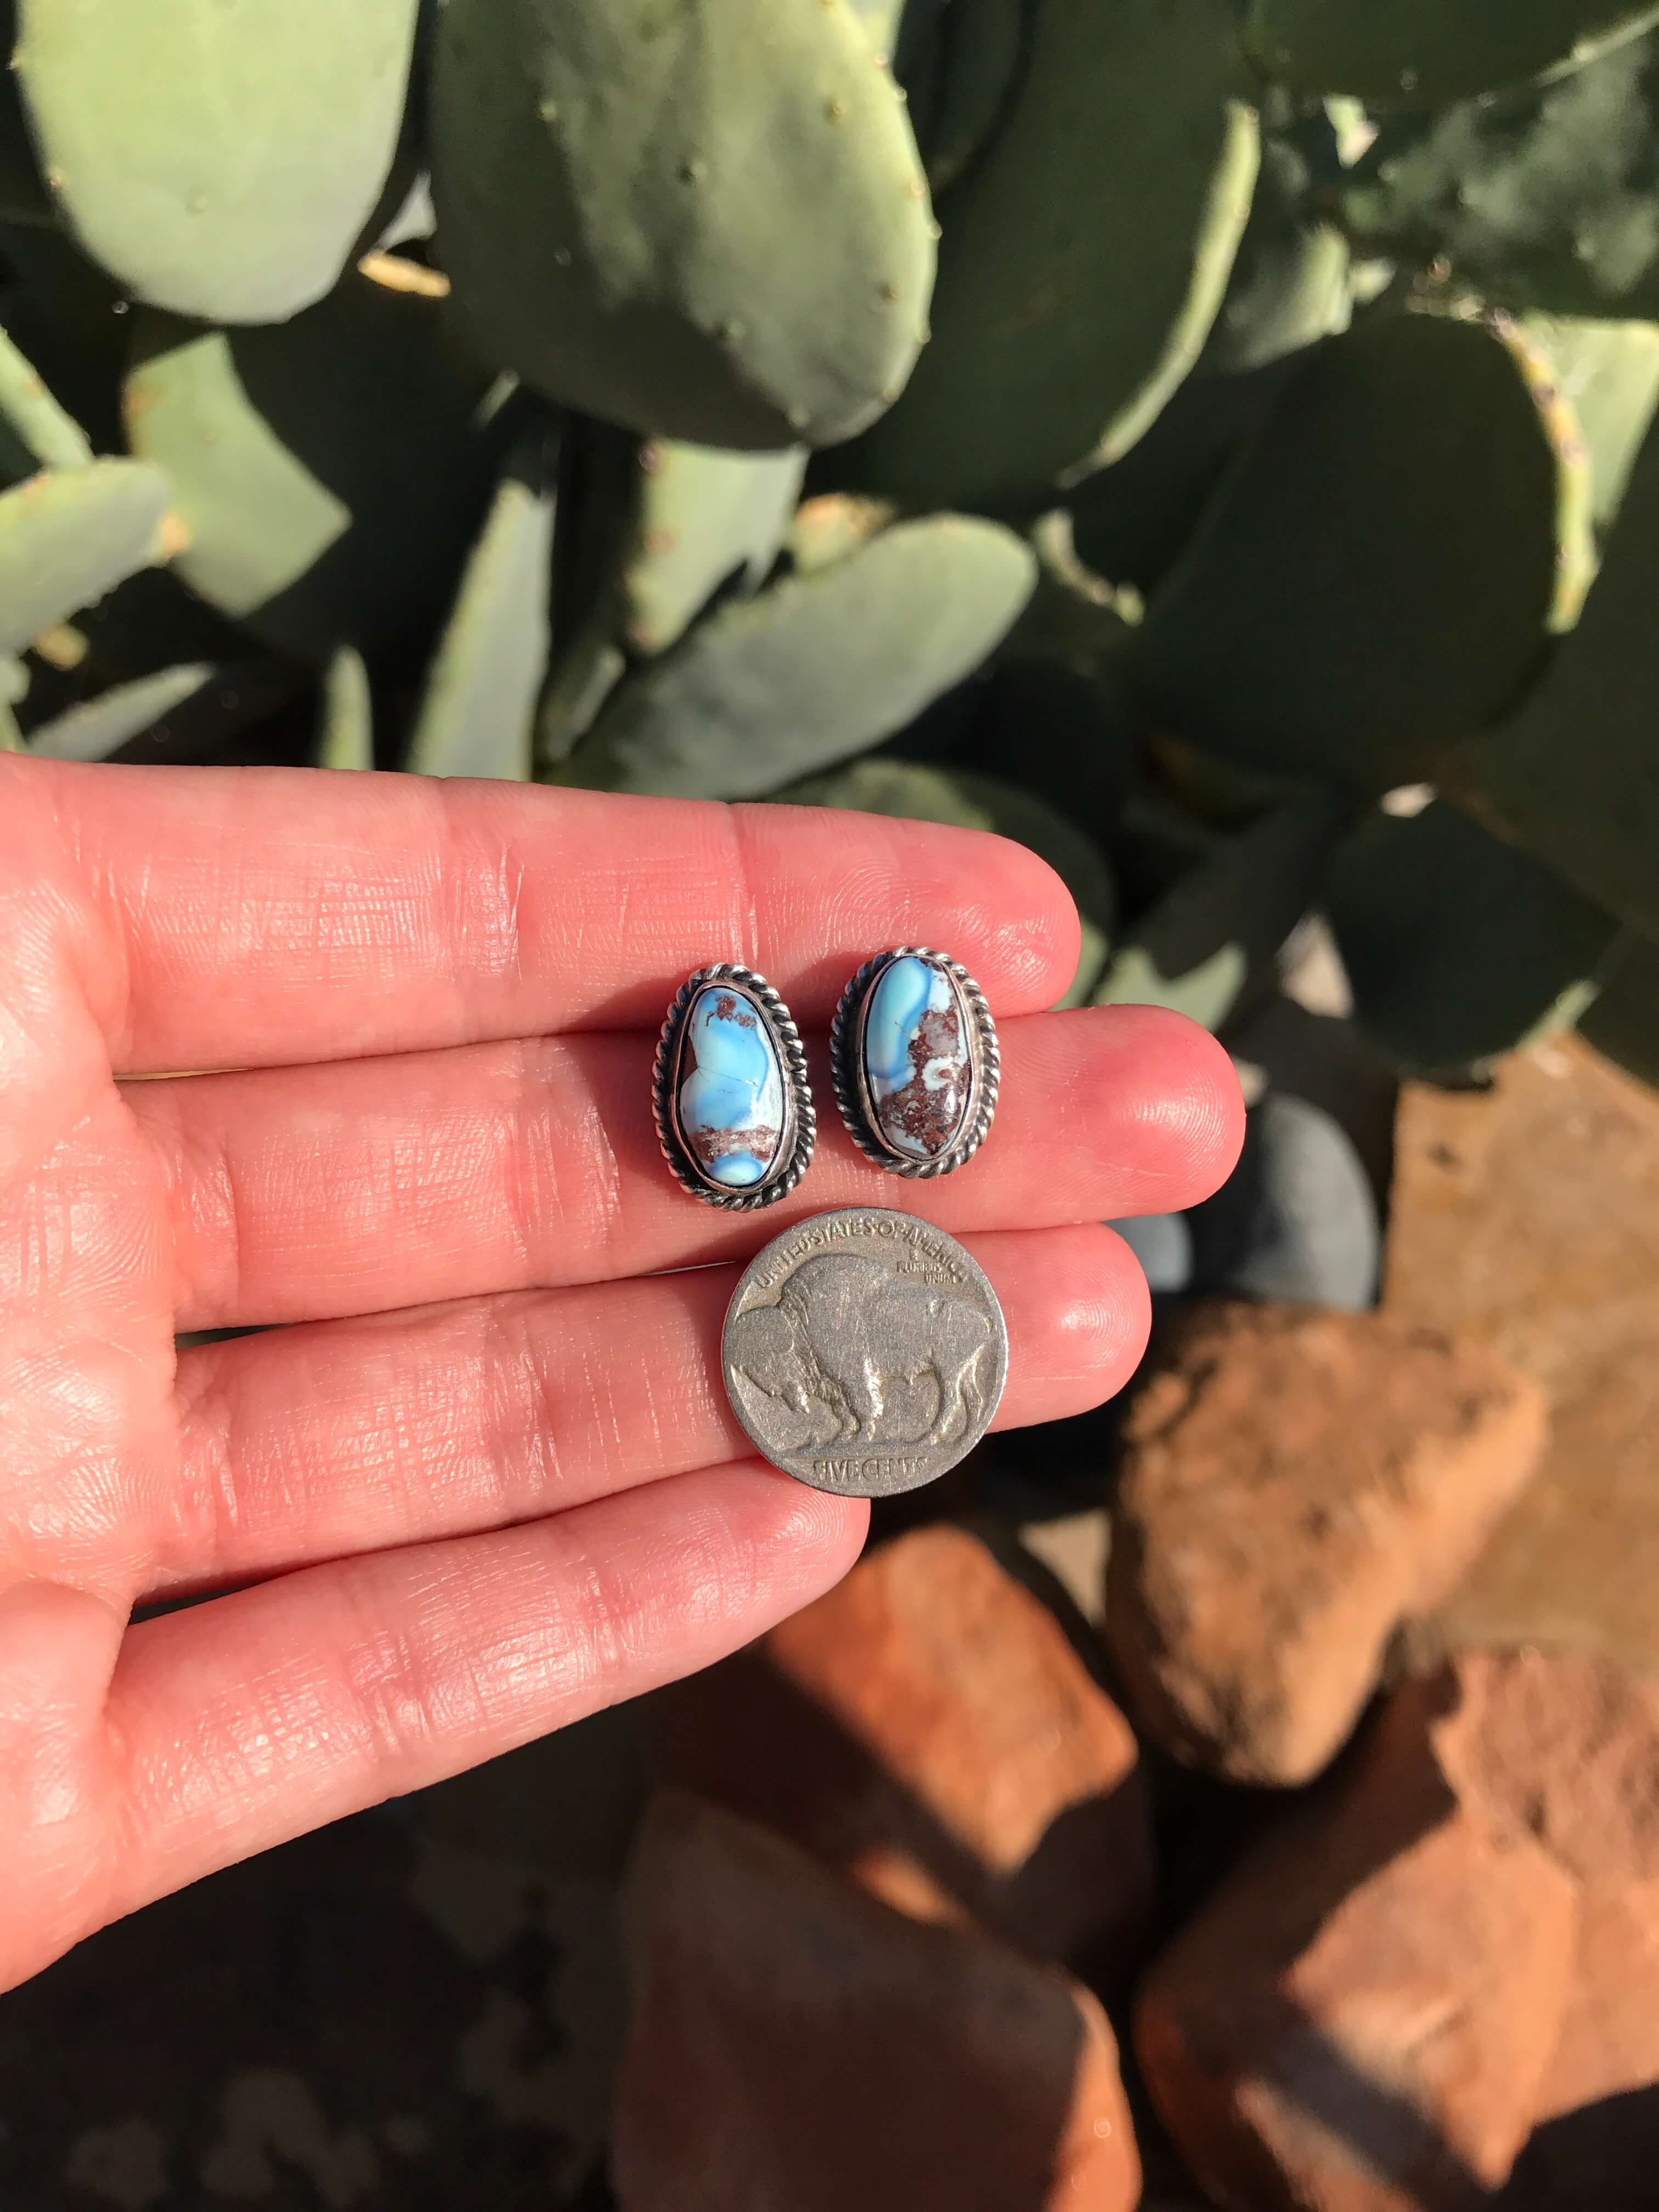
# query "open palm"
(487, 1480)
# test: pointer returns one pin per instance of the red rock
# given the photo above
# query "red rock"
(1297, 1482)
(798, 2046)
(1597, 2139)
(1526, 1219)
(1565, 1749)
(927, 1728)
(1562, 1748)
(1361, 2018)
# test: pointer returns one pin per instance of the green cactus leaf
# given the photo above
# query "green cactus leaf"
(14, 679)
(879, 22)
(815, 668)
(587, 672)
(1209, 944)
(11, 738)
(1375, 577)
(1425, 53)
(1289, 286)
(1132, 522)
(1623, 1021)
(1054, 349)
(104, 725)
(701, 518)
(1458, 948)
(1574, 776)
(332, 470)
(1540, 198)
(478, 715)
(219, 160)
(732, 239)
(34, 417)
(1608, 374)
(969, 800)
(67, 537)
(345, 735)
(982, 51)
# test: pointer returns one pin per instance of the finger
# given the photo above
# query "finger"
(243, 1721)
(312, 1443)
(309, 1192)
(270, 915)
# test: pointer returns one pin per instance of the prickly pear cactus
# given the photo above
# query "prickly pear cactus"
(1422, 53)
(219, 160)
(1211, 441)
(677, 159)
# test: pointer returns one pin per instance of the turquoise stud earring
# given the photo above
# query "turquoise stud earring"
(916, 1062)
(733, 1110)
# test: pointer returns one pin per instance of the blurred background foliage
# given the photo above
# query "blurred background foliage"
(1209, 442)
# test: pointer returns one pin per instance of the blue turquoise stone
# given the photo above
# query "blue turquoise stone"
(731, 1104)
(918, 1067)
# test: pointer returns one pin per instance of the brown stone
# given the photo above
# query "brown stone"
(1528, 1219)
(1562, 1748)
(927, 1728)
(1360, 2018)
(1596, 2142)
(1294, 1482)
(797, 2046)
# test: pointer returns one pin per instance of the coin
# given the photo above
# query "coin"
(865, 1351)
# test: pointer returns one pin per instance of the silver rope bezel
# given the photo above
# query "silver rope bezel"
(851, 1090)
(800, 1123)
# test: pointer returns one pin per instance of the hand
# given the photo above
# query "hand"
(487, 1480)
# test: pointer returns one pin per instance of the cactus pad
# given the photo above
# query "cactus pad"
(1457, 947)
(731, 241)
(1575, 775)
(1058, 334)
(1538, 198)
(1375, 576)
(68, 537)
(769, 689)
(1211, 941)
(1424, 53)
(332, 470)
(477, 716)
(701, 518)
(104, 725)
(219, 160)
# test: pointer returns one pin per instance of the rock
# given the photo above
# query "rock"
(1294, 1483)
(1563, 1748)
(798, 2046)
(1360, 2018)
(1597, 2142)
(1295, 1219)
(1526, 1218)
(927, 1728)
(1163, 1243)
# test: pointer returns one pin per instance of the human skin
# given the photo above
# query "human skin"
(483, 1478)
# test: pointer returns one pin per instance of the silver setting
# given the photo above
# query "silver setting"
(801, 1120)
(852, 1091)
(864, 1351)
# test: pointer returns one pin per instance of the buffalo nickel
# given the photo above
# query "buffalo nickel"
(865, 1351)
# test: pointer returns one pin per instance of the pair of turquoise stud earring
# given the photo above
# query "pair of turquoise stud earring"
(916, 1066)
